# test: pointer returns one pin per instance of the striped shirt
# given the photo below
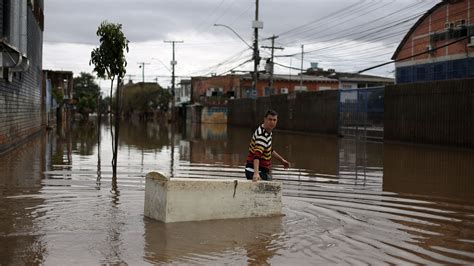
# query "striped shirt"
(261, 148)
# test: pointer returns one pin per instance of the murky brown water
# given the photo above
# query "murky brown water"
(344, 203)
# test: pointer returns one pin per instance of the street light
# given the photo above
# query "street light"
(225, 26)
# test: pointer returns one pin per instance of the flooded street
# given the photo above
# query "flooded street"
(344, 202)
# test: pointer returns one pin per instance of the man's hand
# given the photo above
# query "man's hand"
(256, 177)
(285, 163)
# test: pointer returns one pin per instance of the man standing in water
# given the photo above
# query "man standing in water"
(259, 160)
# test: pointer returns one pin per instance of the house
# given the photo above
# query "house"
(22, 100)
(350, 80)
(217, 89)
(183, 92)
(58, 87)
(439, 46)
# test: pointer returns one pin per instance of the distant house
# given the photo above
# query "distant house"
(351, 80)
(219, 88)
(22, 100)
(59, 83)
(183, 92)
(439, 46)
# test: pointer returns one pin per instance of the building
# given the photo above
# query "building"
(58, 88)
(22, 112)
(183, 92)
(351, 80)
(217, 89)
(439, 46)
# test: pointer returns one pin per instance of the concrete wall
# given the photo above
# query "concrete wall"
(312, 112)
(192, 199)
(21, 101)
(214, 115)
(433, 113)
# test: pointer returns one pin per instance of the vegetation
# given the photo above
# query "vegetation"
(86, 92)
(110, 63)
(142, 99)
(58, 96)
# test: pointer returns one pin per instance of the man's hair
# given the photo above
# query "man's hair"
(271, 112)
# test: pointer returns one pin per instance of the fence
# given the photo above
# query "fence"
(440, 113)
(361, 113)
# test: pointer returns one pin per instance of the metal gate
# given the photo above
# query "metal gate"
(361, 113)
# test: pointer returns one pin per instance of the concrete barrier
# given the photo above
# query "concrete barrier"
(191, 199)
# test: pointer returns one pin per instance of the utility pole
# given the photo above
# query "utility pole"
(142, 66)
(173, 64)
(301, 75)
(256, 57)
(270, 81)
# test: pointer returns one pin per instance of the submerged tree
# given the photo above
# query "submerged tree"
(109, 63)
(143, 99)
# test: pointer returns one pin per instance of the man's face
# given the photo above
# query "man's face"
(270, 122)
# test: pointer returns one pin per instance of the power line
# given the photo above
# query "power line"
(376, 38)
(241, 64)
(342, 10)
(415, 55)
(359, 29)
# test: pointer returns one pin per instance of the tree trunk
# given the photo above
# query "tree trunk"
(99, 171)
(116, 137)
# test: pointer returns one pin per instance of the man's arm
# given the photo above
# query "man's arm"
(256, 175)
(285, 163)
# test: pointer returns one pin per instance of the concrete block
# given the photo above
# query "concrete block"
(191, 199)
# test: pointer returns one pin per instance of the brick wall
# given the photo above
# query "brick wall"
(2, 16)
(439, 113)
(21, 100)
(435, 22)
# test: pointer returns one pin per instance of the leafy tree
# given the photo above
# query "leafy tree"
(86, 92)
(58, 96)
(109, 63)
(145, 98)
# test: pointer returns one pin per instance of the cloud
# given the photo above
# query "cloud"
(342, 34)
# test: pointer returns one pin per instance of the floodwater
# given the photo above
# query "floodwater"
(344, 202)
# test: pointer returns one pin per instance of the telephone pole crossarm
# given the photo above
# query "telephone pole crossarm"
(270, 80)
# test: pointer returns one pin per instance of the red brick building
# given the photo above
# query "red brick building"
(439, 46)
(240, 86)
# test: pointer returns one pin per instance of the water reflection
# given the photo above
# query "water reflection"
(20, 241)
(84, 137)
(429, 171)
(213, 240)
(145, 136)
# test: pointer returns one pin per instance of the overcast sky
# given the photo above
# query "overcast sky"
(347, 35)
